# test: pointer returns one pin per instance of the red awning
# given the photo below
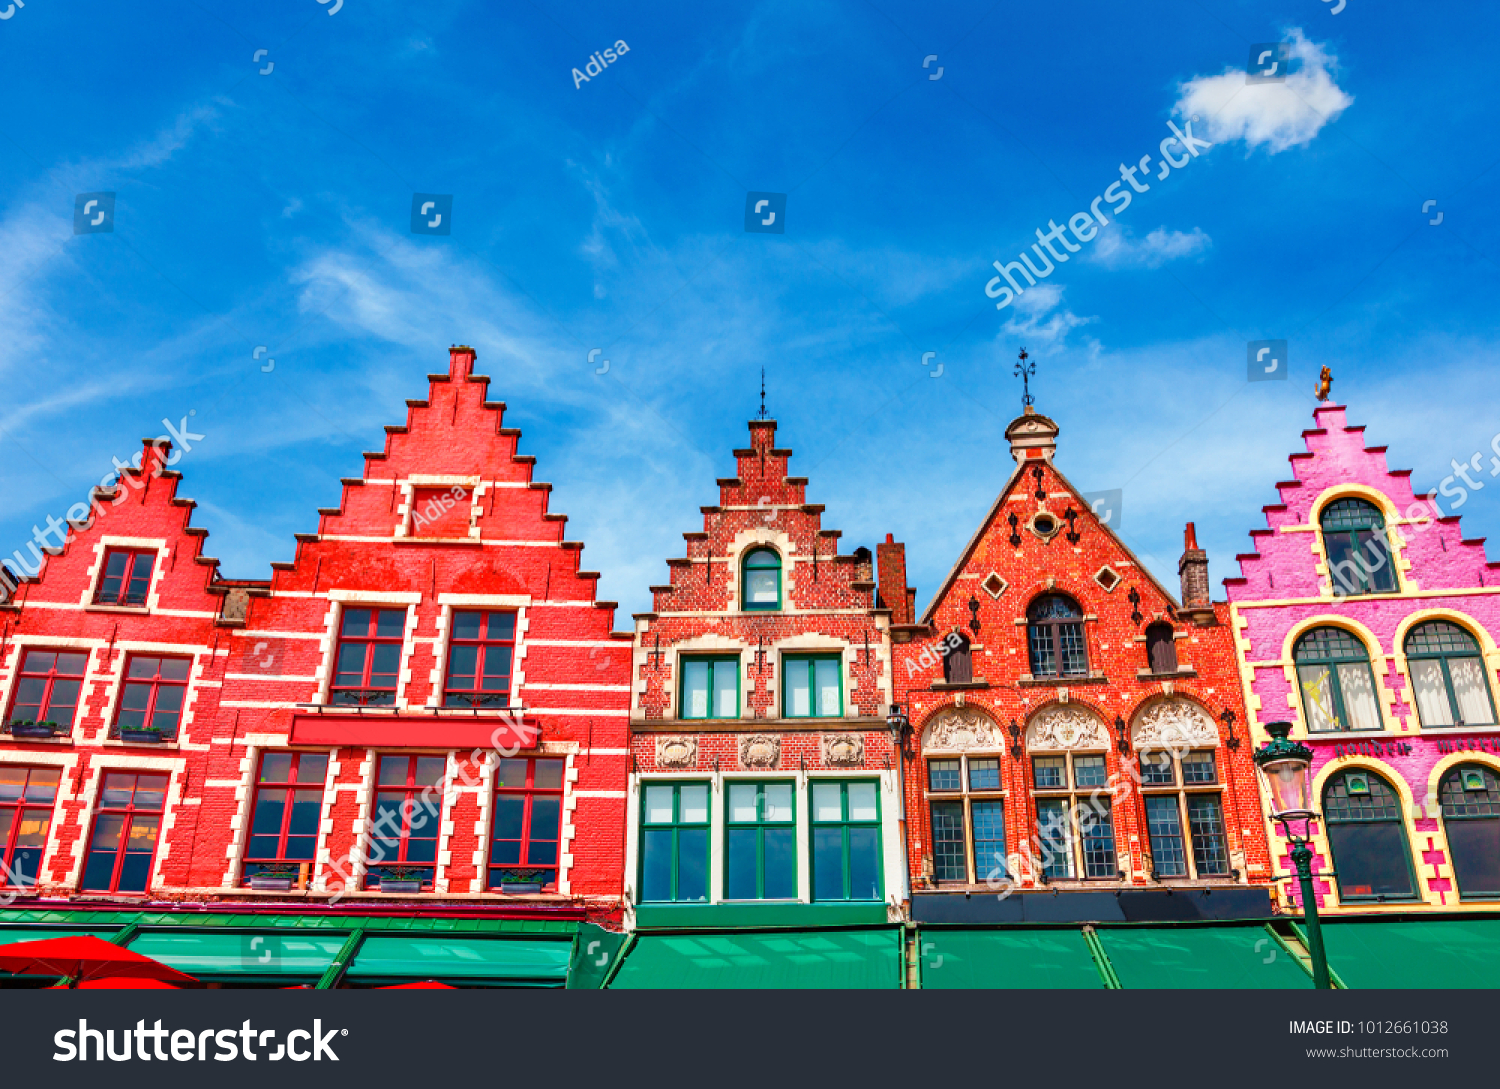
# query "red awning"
(83, 958)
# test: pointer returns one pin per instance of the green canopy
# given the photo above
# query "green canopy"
(1237, 957)
(450, 959)
(805, 959)
(1422, 953)
(271, 953)
(1042, 959)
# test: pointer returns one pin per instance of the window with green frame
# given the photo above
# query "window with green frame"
(1367, 837)
(1448, 676)
(760, 842)
(674, 842)
(760, 579)
(1355, 545)
(812, 686)
(710, 688)
(1338, 688)
(846, 841)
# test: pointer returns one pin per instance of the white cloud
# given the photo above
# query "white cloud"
(1117, 249)
(1279, 115)
(1039, 319)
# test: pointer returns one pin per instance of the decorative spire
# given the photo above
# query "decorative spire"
(1027, 371)
(1325, 383)
(763, 415)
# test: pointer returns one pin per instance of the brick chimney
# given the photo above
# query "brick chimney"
(1032, 437)
(894, 593)
(1192, 568)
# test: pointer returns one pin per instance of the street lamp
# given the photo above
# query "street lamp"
(1284, 765)
(900, 727)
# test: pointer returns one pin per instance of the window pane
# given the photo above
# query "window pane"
(1432, 694)
(740, 863)
(351, 665)
(30, 691)
(798, 693)
(463, 665)
(391, 623)
(62, 702)
(948, 842)
(827, 802)
(133, 703)
(742, 802)
(989, 840)
(150, 791)
(1358, 687)
(548, 774)
(393, 770)
(864, 863)
(659, 805)
(694, 689)
(780, 878)
(1050, 772)
(826, 676)
(1070, 643)
(307, 813)
(1375, 553)
(466, 625)
(726, 689)
(1199, 767)
(693, 799)
(943, 775)
(312, 768)
(778, 801)
(1469, 685)
(546, 828)
(72, 664)
(270, 807)
(510, 809)
(828, 863)
(862, 802)
(107, 831)
(1089, 771)
(41, 784)
(1055, 834)
(1096, 823)
(175, 669)
(12, 782)
(430, 770)
(502, 626)
(276, 767)
(1043, 661)
(760, 587)
(356, 622)
(1157, 770)
(984, 774)
(692, 864)
(511, 773)
(1475, 847)
(118, 789)
(1317, 698)
(1206, 822)
(656, 864)
(39, 661)
(1370, 858)
(1164, 823)
(385, 663)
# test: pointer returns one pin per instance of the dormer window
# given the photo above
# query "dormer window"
(761, 579)
(1161, 651)
(127, 577)
(958, 662)
(1358, 553)
(1055, 636)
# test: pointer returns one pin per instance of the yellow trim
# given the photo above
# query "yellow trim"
(1391, 778)
(1385, 699)
(1389, 514)
(1488, 651)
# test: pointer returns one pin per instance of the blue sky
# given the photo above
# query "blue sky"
(275, 210)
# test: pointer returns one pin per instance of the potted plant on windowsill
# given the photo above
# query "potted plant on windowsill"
(148, 734)
(29, 728)
(401, 879)
(274, 879)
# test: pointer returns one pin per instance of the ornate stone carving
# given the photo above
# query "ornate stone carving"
(959, 729)
(843, 750)
(1175, 723)
(1066, 726)
(677, 752)
(760, 751)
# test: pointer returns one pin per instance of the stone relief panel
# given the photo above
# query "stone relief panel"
(1066, 726)
(1175, 723)
(843, 750)
(676, 752)
(960, 729)
(760, 751)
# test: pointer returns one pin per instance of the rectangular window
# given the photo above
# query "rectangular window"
(1198, 768)
(710, 688)
(525, 850)
(404, 830)
(26, 797)
(286, 815)
(1097, 827)
(479, 660)
(1206, 822)
(155, 690)
(1055, 834)
(944, 775)
(984, 773)
(989, 839)
(1089, 771)
(1051, 772)
(369, 657)
(1164, 823)
(948, 842)
(812, 686)
(127, 577)
(846, 841)
(760, 858)
(674, 842)
(47, 687)
(1157, 769)
(126, 826)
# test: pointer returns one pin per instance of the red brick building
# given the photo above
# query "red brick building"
(427, 707)
(762, 777)
(1051, 674)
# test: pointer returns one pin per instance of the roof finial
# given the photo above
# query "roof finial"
(763, 414)
(1325, 381)
(1027, 371)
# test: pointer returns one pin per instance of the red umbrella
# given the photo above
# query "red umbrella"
(119, 983)
(83, 958)
(424, 985)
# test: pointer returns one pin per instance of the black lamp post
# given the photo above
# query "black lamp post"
(900, 728)
(1284, 765)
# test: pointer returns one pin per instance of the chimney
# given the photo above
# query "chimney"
(461, 362)
(894, 594)
(1193, 570)
(1033, 437)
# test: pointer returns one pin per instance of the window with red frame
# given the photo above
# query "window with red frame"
(26, 797)
(528, 825)
(287, 812)
(47, 687)
(127, 825)
(404, 834)
(369, 658)
(155, 689)
(479, 660)
(127, 577)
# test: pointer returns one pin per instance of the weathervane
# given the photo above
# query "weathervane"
(763, 414)
(1027, 371)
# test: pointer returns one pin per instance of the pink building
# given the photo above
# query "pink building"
(1367, 620)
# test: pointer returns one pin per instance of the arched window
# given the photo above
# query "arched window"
(1367, 837)
(760, 583)
(1359, 555)
(1338, 689)
(958, 661)
(1448, 676)
(1470, 794)
(1161, 650)
(1056, 637)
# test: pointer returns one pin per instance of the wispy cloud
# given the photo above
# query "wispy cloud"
(1117, 248)
(1040, 317)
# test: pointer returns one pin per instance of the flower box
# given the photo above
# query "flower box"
(400, 884)
(271, 882)
(33, 729)
(150, 737)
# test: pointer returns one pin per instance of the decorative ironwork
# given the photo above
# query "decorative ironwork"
(974, 615)
(1227, 718)
(1036, 474)
(1073, 535)
(1015, 739)
(1135, 605)
(763, 414)
(1015, 538)
(1121, 741)
(1027, 371)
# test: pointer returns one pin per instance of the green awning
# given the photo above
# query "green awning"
(1423, 953)
(1041, 959)
(513, 961)
(804, 959)
(1237, 957)
(270, 953)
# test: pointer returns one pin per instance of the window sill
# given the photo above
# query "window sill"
(1180, 673)
(117, 743)
(126, 610)
(55, 739)
(1028, 681)
(948, 686)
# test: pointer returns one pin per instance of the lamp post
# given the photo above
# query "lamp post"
(900, 728)
(1284, 765)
